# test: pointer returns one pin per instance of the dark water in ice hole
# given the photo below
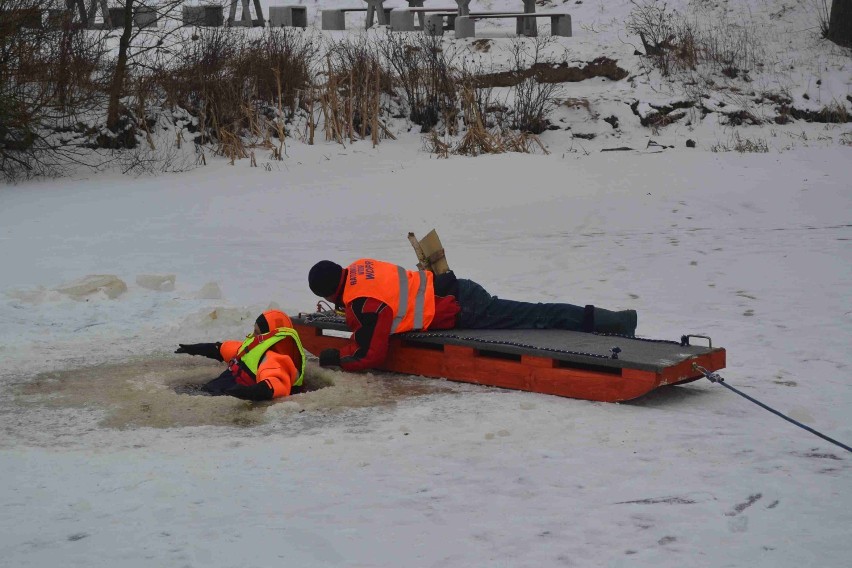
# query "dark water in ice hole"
(163, 392)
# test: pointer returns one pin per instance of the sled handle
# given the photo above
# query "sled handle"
(684, 340)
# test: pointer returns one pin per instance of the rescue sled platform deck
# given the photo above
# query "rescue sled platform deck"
(588, 366)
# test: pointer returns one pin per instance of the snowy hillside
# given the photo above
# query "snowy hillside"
(780, 74)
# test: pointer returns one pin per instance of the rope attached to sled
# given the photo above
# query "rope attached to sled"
(716, 378)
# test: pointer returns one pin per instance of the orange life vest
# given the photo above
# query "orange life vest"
(245, 364)
(410, 294)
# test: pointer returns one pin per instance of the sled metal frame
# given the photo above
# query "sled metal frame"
(563, 363)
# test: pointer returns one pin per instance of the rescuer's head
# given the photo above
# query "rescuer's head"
(325, 279)
(269, 320)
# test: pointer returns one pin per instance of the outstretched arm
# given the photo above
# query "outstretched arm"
(210, 350)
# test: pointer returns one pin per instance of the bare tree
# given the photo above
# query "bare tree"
(116, 88)
(129, 48)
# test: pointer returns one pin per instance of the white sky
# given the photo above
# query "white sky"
(105, 465)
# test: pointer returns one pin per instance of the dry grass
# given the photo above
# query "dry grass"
(245, 88)
(577, 103)
(742, 145)
(351, 98)
(835, 112)
(478, 139)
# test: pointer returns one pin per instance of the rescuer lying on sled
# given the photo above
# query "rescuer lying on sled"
(269, 363)
(381, 299)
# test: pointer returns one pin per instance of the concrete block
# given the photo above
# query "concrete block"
(288, 16)
(212, 16)
(434, 25)
(333, 20)
(560, 25)
(465, 27)
(145, 16)
(401, 21)
(116, 17)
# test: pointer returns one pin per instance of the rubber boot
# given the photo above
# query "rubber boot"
(620, 323)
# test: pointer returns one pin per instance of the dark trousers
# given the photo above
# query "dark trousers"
(221, 384)
(481, 310)
(226, 381)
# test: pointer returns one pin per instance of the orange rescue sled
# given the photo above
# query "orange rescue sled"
(587, 366)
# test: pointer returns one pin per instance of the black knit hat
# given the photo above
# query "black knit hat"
(324, 278)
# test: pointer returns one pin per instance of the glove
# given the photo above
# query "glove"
(260, 391)
(329, 358)
(210, 350)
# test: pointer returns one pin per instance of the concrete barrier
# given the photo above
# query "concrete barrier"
(335, 19)
(145, 16)
(288, 16)
(402, 19)
(560, 23)
(212, 16)
(116, 17)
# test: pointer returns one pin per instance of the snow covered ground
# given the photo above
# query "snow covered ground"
(105, 464)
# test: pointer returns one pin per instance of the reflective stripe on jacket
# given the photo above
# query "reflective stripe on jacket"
(254, 348)
(410, 294)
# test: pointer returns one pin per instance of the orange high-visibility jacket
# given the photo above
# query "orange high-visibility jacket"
(410, 294)
(280, 364)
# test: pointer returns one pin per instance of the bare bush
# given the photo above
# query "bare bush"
(282, 57)
(654, 23)
(200, 75)
(352, 95)
(532, 100)
(47, 82)
(731, 48)
(241, 87)
(668, 39)
(674, 43)
(426, 74)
